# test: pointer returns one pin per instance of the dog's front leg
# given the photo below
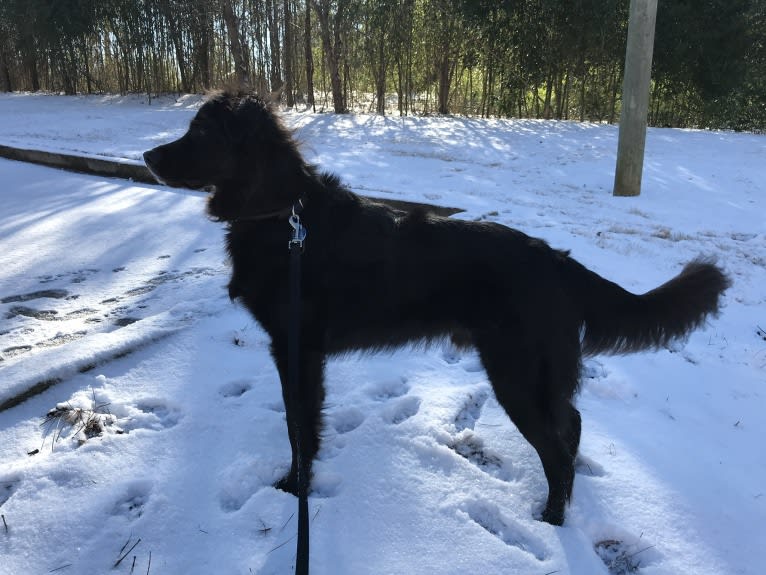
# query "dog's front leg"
(303, 413)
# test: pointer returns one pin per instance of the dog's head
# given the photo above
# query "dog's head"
(238, 149)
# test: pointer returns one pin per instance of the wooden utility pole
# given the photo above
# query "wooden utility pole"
(635, 97)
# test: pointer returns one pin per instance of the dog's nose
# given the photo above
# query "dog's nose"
(152, 157)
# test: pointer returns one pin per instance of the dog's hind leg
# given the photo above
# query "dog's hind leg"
(538, 402)
(574, 431)
(303, 418)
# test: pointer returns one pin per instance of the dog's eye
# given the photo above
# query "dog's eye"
(196, 130)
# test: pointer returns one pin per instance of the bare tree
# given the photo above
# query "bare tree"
(330, 31)
(381, 13)
(272, 18)
(545, 58)
(446, 28)
(309, 55)
(287, 51)
(6, 84)
(235, 45)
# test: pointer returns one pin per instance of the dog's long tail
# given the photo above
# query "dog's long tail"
(617, 321)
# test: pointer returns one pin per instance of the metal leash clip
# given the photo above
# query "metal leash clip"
(299, 232)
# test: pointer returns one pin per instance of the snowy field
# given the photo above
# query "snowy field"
(168, 426)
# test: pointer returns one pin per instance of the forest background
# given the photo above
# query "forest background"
(559, 59)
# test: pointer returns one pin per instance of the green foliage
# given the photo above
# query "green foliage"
(531, 58)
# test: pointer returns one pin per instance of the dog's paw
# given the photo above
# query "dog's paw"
(288, 484)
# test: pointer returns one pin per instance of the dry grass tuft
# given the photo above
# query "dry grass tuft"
(80, 422)
(618, 558)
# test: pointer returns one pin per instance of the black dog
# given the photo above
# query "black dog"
(376, 278)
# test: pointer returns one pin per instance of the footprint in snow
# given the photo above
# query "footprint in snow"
(586, 466)
(75, 277)
(236, 388)
(49, 294)
(396, 409)
(743, 237)
(8, 486)
(387, 389)
(593, 369)
(243, 478)
(471, 411)
(346, 419)
(15, 350)
(152, 413)
(453, 355)
(626, 555)
(61, 339)
(473, 365)
(342, 421)
(401, 409)
(133, 500)
(471, 448)
(165, 277)
(489, 518)
(41, 314)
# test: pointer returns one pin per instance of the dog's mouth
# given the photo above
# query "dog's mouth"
(184, 183)
(173, 182)
(190, 184)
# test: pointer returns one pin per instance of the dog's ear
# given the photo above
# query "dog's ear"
(233, 127)
(254, 121)
(267, 153)
(221, 108)
(224, 107)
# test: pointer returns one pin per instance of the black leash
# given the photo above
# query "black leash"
(295, 247)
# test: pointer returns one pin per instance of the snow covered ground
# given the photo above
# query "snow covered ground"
(113, 295)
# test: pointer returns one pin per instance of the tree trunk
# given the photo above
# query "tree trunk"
(444, 84)
(272, 16)
(564, 111)
(400, 86)
(5, 73)
(175, 38)
(490, 87)
(235, 45)
(444, 65)
(30, 64)
(380, 80)
(548, 94)
(331, 42)
(287, 51)
(613, 97)
(309, 61)
(202, 30)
